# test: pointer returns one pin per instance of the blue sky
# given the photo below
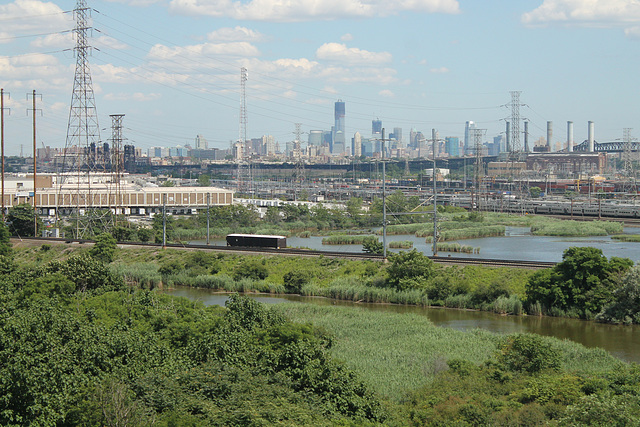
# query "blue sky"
(173, 66)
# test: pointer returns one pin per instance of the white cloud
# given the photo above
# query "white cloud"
(632, 33)
(26, 16)
(137, 96)
(386, 93)
(306, 10)
(341, 53)
(234, 35)
(201, 51)
(441, 70)
(585, 12)
(346, 38)
(58, 40)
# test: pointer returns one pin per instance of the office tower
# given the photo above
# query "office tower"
(356, 145)
(452, 146)
(468, 144)
(201, 143)
(376, 127)
(315, 137)
(338, 128)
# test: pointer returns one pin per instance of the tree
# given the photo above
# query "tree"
(21, 220)
(105, 248)
(409, 270)
(373, 246)
(204, 180)
(584, 281)
(5, 242)
(535, 192)
(626, 305)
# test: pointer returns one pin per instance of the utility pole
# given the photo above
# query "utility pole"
(384, 204)
(208, 215)
(435, 195)
(2, 145)
(33, 113)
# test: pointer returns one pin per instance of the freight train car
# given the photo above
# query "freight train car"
(256, 241)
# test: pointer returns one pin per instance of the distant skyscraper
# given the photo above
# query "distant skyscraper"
(339, 128)
(315, 137)
(356, 145)
(201, 143)
(452, 146)
(376, 126)
(397, 134)
(501, 143)
(468, 148)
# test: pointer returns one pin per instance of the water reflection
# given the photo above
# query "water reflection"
(621, 341)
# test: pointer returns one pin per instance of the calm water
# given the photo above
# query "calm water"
(517, 244)
(621, 341)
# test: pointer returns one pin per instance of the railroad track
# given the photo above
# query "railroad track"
(448, 260)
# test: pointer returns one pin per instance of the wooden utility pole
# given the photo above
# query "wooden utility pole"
(33, 113)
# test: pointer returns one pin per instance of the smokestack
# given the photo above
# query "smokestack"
(434, 139)
(508, 132)
(570, 137)
(549, 135)
(526, 137)
(591, 137)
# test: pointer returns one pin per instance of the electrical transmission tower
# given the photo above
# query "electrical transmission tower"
(477, 135)
(117, 160)
(515, 148)
(627, 161)
(244, 167)
(300, 177)
(83, 151)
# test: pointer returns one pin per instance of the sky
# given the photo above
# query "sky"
(172, 67)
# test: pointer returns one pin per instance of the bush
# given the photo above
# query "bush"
(409, 270)
(294, 280)
(105, 248)
(528, 353)
(251, 268)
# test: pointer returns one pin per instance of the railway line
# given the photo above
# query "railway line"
(448, 260)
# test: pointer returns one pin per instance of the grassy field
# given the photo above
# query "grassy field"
(398, 353)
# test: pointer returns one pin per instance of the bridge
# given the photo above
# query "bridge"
(606, 147)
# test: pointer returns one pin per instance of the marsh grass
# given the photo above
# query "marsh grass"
(569, 228)
(626, 237)
(397, 353)
(344, 239)
(466, 233)
(142, 274)
(404, 244)
(457, 247)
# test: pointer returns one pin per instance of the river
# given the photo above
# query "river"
(621, 341)
(517, 244)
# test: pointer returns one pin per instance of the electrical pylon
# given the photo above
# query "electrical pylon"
(479, 166)
(82, 147)
(116, 164)
(244, 167)
(627, 162)
(300, 176)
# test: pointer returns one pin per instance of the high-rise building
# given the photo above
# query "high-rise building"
(501, 142)
(452, 146)
(339, 128)
(201, 143)
(356, 145)
(315, 137)
(376, 127)
(468, 144)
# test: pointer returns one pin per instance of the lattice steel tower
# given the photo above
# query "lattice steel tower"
(83, 132)
(515, 123)
(300, 175)
(627, 159)
(244, 168)
(117, 163)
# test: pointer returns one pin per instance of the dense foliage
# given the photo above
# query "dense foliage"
(78, 348)
(583, 283)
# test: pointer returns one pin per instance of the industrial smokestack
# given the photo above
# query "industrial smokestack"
(526, 137)
(591, 137)
(570, 137)
(549, 135)
(508, 132)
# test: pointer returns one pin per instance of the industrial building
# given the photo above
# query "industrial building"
(76, 193)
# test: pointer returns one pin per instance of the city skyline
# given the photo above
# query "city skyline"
(173, 69)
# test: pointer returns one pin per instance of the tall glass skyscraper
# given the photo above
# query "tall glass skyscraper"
(339, 128)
